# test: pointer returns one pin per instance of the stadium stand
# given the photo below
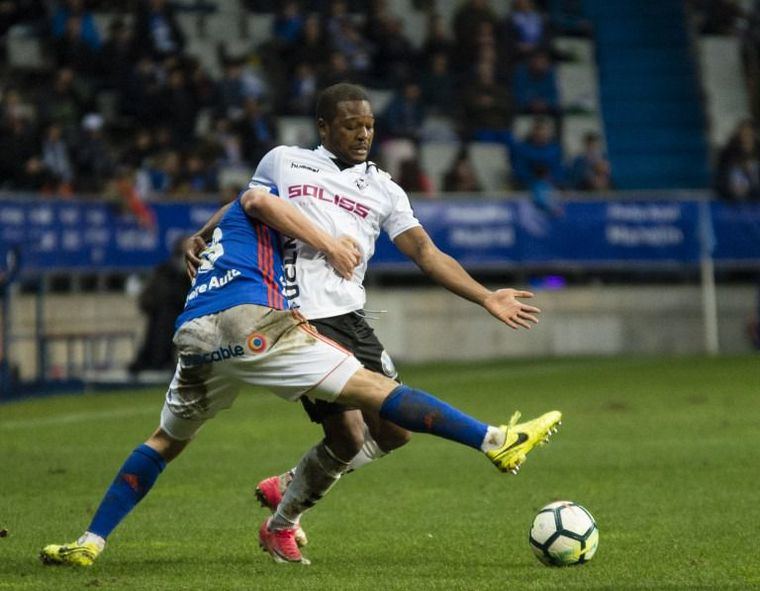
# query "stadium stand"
(650, 94)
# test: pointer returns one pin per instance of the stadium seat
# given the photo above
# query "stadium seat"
(24, 50)
(577, 87)
(575, 127)
(491, 163)
(436, 128)
(580, 50)
(379, 99)
(394, 152)
(260, 28)
(723, 85)
(436, 158)
(297, 131)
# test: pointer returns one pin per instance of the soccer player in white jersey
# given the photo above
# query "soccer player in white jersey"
(237, 329)
(343, 193)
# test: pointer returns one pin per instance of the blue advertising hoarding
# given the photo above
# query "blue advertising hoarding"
(481, 233)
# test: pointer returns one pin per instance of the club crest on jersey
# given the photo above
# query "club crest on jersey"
(362, 183)
(256, 342)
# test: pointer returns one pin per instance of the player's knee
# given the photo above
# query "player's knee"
(390, 437)
(344, 434)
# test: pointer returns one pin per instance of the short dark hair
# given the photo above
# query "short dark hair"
(327, 102)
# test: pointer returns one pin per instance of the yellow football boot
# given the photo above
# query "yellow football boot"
(73, 554)
(521, 438)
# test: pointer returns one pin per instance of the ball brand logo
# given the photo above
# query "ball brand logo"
(221, 354)
(256, 342)
(321, 194)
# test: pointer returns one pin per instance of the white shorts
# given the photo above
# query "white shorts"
(255, 345)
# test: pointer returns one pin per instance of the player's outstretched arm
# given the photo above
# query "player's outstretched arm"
(342, 253)
(445, 270)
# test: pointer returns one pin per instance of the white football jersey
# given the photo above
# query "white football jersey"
(358, 201)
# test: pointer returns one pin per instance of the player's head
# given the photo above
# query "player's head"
(345, 121)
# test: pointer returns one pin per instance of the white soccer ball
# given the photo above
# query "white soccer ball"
(564, 533)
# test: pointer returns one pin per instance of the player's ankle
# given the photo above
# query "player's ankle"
(91, 538)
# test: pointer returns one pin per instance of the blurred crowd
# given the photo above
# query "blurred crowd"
(128, 112)
(737, 163)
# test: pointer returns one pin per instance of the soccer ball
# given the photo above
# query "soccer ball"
(564, 533)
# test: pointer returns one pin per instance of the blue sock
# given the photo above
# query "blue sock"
(131, 484)
(421, 412)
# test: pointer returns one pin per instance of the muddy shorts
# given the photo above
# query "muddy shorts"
(253, 345)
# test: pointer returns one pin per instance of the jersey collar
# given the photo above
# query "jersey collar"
(325, 153)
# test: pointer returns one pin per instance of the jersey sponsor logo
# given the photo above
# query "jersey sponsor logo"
(213, 283)
(362, 183)
(256, 342)
(220, 354)
(304, 166)
(321, 194)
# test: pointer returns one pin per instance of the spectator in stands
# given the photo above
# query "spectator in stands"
(303, 90)
(117, 55)
(466, 25)
(461, 176)
(71, 50)
(336, 70)
(404, 115)
(161, 300)
(20, 164)
(437, 40)
(543, 190)
(525, 30)
(64, 104)
(590, 170)
(539, 152)
(227, 143)
(413, 179)
(534, 85)
(258, 131)
(85, 29)
(232, 90)
(57, 162)
(355, 48)
(487, 107)
(738, 169)
(93, 160)
(288, 23)
(437, 83)
(312, 46)
(718, 17)
(196, 177)
(140, 91)
(139, 149)
(178, 107)
(157, 32)
(395, 56)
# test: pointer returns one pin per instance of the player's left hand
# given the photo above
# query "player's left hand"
(193, 247)
(504, 305)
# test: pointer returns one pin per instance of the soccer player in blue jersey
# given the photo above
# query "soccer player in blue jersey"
(237, 329)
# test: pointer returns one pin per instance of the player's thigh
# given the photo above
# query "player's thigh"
(287, 356)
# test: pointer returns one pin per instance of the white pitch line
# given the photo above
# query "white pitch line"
(80, 417)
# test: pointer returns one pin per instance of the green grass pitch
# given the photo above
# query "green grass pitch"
(664, 452)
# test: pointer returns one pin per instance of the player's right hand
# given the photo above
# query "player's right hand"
(344, 255)
(193, 247)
